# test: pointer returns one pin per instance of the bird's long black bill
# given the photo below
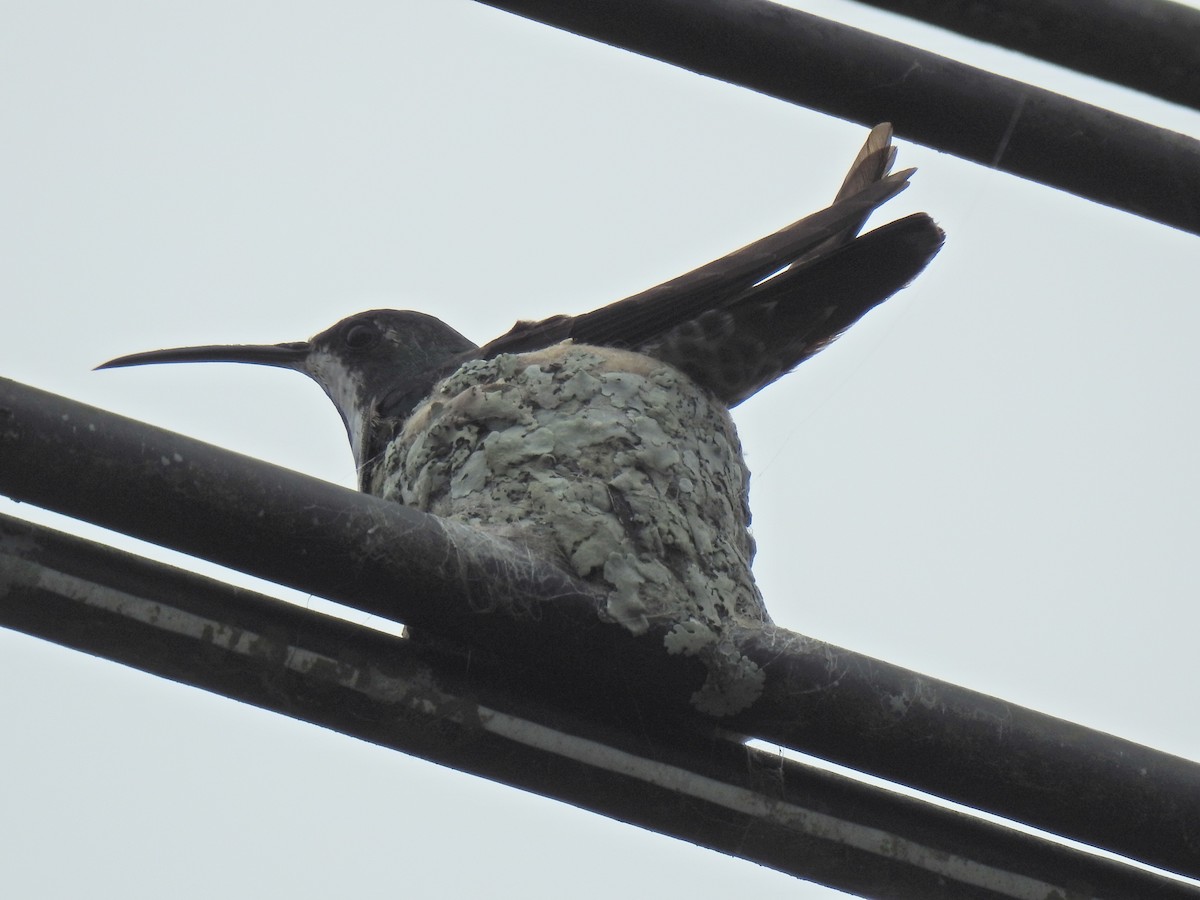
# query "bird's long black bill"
(286, 356)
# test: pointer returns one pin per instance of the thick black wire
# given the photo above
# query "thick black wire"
(448, 580)
(998, 122)
(1150, 45)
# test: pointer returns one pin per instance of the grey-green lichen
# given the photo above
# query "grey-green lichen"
(615, 465)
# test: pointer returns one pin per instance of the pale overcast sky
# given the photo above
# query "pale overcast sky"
(991, 480)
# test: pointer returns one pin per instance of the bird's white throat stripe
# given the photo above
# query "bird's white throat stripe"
(346, 389)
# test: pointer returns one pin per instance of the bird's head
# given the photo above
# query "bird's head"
(376, 363)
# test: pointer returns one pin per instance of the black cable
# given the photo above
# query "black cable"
(947, 105)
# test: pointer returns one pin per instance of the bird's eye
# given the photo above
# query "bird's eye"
(361, 335)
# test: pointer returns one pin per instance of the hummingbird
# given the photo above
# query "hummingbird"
(602, 442)
(732, 326)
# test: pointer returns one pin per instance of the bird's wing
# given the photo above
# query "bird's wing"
(739, 348)
(872, 164)
(654, 312)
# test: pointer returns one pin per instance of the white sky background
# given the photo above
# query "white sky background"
(991, 480)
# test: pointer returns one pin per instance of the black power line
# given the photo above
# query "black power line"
(1150, 45)
(451, 581)
(694, 783)
(995, 121)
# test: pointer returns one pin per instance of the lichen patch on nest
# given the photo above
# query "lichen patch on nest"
(617, 466)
